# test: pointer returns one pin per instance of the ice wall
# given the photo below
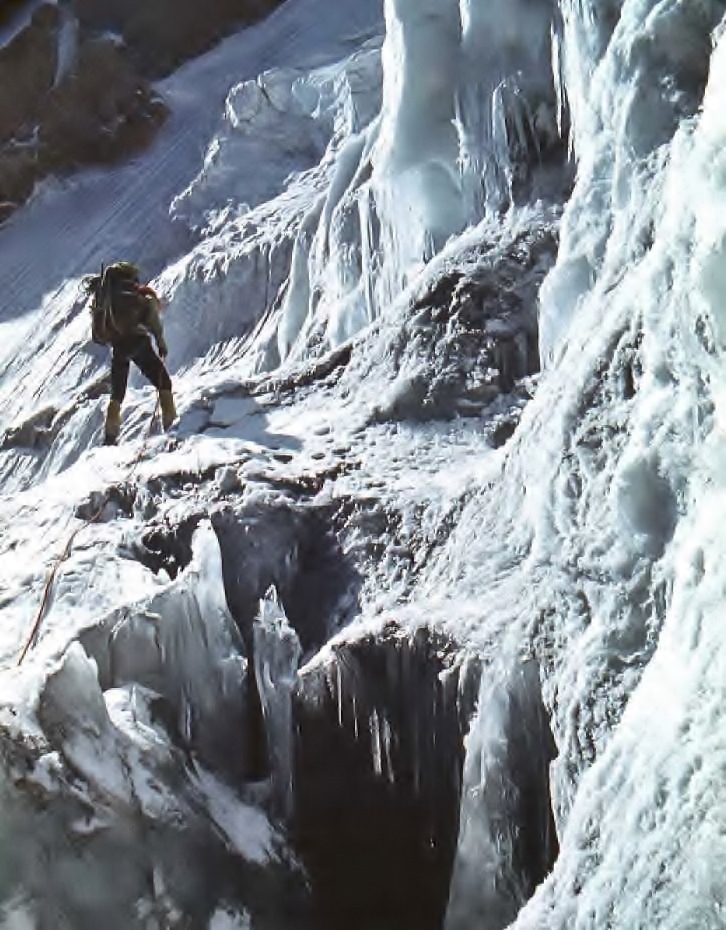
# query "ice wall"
(467, 110)
(277, 653)
(454, 119)
(415, 161)
(507, 843)
(632, 77)
(506, 117)
(591, 544)
(614, 484)
(182, 643)
(468, 91)
(467, 115)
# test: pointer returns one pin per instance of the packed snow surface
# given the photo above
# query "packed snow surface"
(369, 222)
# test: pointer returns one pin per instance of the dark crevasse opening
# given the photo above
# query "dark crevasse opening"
(293, 550)
(411, 809)
(413, 785)
(411, 779)
(379, 749)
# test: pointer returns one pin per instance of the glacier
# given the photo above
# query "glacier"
(412, 620)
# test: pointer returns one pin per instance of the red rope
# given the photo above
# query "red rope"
(35, 629)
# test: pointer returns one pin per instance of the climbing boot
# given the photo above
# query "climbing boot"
(113, 422)
(168, 410)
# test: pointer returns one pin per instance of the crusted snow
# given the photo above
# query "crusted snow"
(592, 543)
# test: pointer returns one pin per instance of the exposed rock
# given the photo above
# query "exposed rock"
(55, 116)
(32, 432)
(469, 341)
(161, 34)
(27, 71)
(74, 83)
(101, 112)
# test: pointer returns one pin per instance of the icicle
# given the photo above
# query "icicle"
(339, 692)
(375, 731)
(388, 759)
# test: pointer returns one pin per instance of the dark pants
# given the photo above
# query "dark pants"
(136, 349)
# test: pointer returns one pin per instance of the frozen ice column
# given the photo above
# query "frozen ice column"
(506, 93)
(415, 161)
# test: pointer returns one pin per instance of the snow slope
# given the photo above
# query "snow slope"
(377, 527)
(77, 224)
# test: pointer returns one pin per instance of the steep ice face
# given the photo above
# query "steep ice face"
(580, 566)
(465, 124)
(629, 93)
(614, 488)
(505, 97)
(182, 644)
(416, 175)
(468, 89)
(507, 840)
(461, 123)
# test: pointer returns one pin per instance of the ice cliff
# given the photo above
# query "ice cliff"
(413, 619)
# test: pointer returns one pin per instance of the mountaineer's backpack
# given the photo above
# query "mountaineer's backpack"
(119, 306)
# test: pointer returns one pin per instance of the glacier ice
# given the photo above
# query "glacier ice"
(277, 653)
(507, 842)
(498, 588)
(391, 187)
(182, 644)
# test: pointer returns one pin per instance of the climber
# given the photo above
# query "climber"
(124, 316)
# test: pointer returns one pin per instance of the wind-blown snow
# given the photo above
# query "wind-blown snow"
(341, 316)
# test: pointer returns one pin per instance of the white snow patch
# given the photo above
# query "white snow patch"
(247, 829)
